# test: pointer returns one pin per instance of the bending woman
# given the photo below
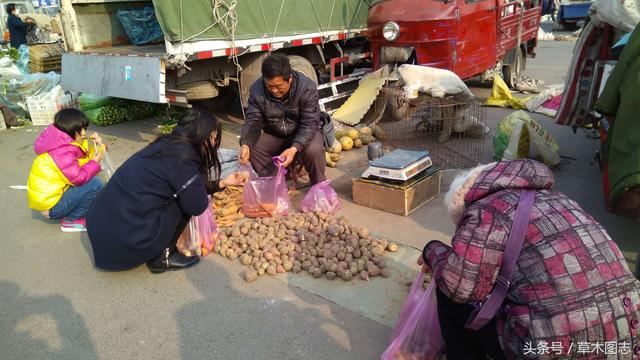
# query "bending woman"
(146, 205)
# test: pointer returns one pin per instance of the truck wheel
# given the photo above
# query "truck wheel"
(511, 72)
(303, 65)
(222, 101)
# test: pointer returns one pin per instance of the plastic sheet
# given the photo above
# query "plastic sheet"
(23, 59)
(90, 101)
(141, 26)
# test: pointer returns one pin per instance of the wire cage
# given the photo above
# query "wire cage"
(452, 130)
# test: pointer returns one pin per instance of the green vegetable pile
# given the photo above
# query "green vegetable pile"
(11, 53)
(104, 111)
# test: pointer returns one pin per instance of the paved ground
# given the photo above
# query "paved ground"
(55, 305)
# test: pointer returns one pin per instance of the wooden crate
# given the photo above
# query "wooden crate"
(401, 199)
(45, 57)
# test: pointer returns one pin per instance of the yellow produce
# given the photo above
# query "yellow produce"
(330, 162)
(336, 148)
(366, 131)
(366, 139)
(347, 143)
(379, 132)
(353, 134)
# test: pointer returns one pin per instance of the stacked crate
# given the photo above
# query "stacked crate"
(45, 57)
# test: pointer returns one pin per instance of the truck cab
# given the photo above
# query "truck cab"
(467, 37)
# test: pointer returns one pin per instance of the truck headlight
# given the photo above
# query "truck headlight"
(391, 31)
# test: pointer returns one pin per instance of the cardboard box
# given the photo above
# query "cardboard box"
(401, 199)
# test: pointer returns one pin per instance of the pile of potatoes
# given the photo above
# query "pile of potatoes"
(318, 243)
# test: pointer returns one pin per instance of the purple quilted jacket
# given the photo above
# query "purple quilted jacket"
(572, 295)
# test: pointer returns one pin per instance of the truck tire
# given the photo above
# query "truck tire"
(200, 90)
(511, 72)
(303, 65)
(226, 96)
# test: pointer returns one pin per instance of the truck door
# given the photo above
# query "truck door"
(476, 37)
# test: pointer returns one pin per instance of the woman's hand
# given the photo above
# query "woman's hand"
(98, 156)
(95, 137)
(425, 268)
(238, 178)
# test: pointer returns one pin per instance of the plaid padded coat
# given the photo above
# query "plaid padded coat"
(572, 294)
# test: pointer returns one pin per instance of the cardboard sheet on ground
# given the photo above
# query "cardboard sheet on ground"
(358, 104)
(378, 299)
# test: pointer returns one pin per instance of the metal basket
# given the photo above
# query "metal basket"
(452, 130)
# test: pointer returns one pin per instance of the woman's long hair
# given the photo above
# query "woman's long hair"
(195, 129)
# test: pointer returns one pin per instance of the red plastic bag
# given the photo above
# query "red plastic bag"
(200, 235)
(322, 198)
(266, 196)
(417, 333)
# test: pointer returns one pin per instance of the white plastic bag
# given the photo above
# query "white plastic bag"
(513, 137)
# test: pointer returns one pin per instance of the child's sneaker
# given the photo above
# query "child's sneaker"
(79, 225)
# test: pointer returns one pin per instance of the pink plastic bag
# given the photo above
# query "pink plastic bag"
(417, 333)
(266, 196)
(321, 197)
(200, 235)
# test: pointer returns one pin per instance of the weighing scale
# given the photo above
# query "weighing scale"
(399, 165)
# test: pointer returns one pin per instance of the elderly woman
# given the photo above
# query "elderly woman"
(571, 293)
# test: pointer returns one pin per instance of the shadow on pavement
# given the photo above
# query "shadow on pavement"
(41, 327)
(249, 321)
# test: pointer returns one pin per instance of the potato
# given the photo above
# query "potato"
(363, 233)
(373, 271)
(245, 259)
(261, 271)
(306, 265)
(330, 275)
(287, 265)
(357, 143)
(316, 272)
(385, 272)
(347, 276)
(280, 269)
(271, 270)
(250, 275)
(267, 255)
(378, 250)
(364, 275)
(296, 268)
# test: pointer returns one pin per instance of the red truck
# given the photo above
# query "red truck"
(467, 37)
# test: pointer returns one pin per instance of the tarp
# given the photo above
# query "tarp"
(379, 299)
(193, 20)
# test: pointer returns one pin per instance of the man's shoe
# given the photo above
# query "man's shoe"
(168, 261)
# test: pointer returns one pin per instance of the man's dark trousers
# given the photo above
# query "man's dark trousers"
(268, 146)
